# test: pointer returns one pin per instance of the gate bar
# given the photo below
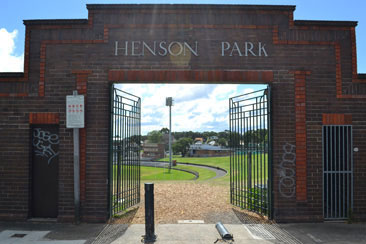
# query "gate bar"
(249, 123)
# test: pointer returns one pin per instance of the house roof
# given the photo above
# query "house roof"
(207, 147)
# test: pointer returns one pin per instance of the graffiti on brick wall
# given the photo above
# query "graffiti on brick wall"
(286, 171)
(43, 141)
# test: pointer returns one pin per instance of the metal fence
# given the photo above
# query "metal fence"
(337, 171)
(125, 145)
(250, 159)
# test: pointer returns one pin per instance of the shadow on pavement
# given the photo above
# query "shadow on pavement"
(58, 231)
(262, 228)
(116, 227)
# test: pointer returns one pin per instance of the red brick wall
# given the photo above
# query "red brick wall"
(311, 68)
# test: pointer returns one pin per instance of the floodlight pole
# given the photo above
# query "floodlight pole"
(169, 102)
(170, 137)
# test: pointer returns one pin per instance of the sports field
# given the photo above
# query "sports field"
(259, 166)
(157, 174)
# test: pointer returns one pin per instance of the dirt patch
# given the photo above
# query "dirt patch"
(186, 201)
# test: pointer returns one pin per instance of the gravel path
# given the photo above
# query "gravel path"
(187, 201)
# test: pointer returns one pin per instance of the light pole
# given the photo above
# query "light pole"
(169, 102)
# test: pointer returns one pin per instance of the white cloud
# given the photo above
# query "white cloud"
(197, 107)
(9, 62)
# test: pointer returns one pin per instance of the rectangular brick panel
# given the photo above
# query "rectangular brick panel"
(44, 118)
(337, 119)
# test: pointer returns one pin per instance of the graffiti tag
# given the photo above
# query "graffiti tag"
(287, 183)
(43, 141)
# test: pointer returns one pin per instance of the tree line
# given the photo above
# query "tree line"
(183, 139)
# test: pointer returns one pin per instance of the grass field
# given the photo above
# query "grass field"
(258, 171)
(224, 162)
(156, 174)
(204, 174)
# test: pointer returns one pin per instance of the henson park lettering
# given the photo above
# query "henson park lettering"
(177, 48)
(155, 48)
(243, 49)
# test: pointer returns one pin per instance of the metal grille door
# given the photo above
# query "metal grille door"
(250, 159)
(337, 171)
(125, 144)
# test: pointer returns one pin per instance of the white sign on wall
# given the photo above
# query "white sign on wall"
(75, 111)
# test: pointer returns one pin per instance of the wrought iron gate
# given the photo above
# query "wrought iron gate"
(124, 156)
(337, 171)
(251, 156)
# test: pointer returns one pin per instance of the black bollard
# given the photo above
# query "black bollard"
(149, 213)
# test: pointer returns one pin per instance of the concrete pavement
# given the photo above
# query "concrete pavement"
(31, 237)
(251, 233)
(185, 234)
(55, 233)
(204, 234)
(48, 232)
(328, 232)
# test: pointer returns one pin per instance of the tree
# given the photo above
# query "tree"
(224, 134)
(164, 130)
(222, 142)
(182, 145)
(143, 138)
(256, 136)
(207, 134)
(135, 139)
(154, 136)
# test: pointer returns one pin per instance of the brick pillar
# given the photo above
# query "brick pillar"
(300, 120)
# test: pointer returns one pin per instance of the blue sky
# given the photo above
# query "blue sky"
(200, 107)
(206, 109)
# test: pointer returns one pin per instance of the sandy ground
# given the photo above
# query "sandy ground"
(186, 201)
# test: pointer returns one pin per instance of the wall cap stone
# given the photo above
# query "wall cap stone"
(55, 22)
(325, 23)
(190, 6)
